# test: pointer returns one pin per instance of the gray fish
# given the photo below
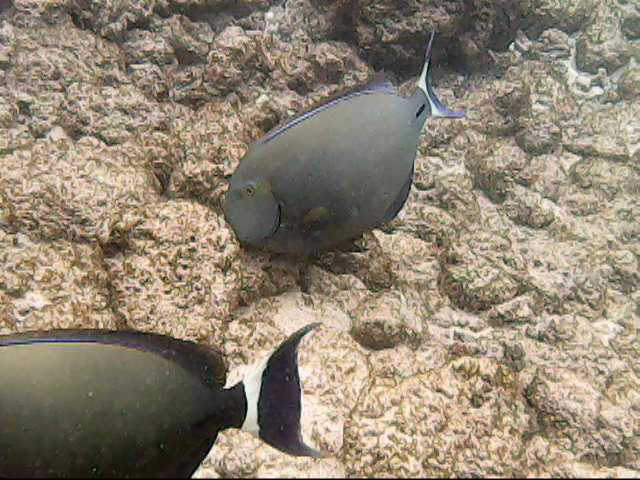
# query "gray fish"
(93, 403)
(332, 173)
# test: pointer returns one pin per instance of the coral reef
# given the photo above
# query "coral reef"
(491, 329)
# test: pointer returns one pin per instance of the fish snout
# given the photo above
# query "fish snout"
(253, 213)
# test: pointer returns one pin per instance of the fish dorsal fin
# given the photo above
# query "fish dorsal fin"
(380, 82)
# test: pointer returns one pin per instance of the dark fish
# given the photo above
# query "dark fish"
(91, 403)
(334, 172)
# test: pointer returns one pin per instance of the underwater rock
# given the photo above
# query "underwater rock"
(566, 16)
(46, 285)
(631, 22)
(385, 321)
(208, 144)
(528, 208)
(84, 112)
(610, 133)
(518, 310)
(345, 290)
(570, 407)
(496, 171)
(481, 271)
(444, 405)
(515, 259)
(75, 191)
(602, 44)
(179, 271)
(111, 18)
(629, 83)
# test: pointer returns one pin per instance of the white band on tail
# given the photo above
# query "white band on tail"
(252, 384)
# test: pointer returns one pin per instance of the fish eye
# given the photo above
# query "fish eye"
(249, 190)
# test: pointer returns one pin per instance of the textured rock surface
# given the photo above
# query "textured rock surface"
(491, 329)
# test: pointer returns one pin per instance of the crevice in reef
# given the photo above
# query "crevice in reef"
(5, 5)
(218, 16)
(112, 297)
(187, 58)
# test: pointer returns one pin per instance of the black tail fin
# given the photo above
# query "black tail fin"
(279, 403)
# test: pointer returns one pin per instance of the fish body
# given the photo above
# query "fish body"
(121, 404)
(331, 174)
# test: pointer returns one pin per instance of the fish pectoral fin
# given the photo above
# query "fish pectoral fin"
(316, 219)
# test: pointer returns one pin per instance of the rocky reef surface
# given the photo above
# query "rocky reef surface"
(491, 329)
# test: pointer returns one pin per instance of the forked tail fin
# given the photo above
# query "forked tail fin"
(424, 84)
(274, 399)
